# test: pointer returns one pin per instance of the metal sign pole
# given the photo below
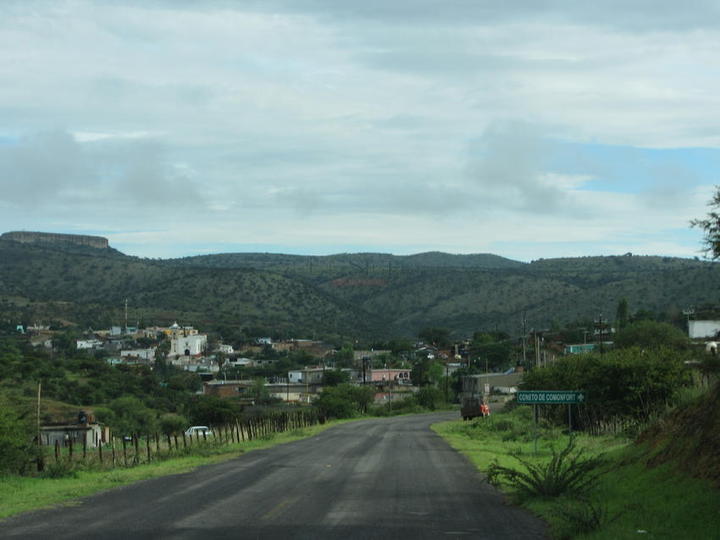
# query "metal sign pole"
(535, 408)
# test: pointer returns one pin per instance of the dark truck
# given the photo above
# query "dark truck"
(470, 407)
(472, 402)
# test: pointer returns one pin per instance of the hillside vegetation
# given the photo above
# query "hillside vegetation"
(352, 295)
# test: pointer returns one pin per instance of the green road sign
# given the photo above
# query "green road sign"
(532, 397)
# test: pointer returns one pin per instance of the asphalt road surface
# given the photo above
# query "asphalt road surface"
(373, 479)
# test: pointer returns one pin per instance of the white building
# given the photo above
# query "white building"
(239, 362)
(306, 376)
(225, 349)
(703, 329)
(143, 354)
(192, 345)
(88, 344)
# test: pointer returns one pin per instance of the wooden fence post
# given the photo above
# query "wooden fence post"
(136, 444)
(57, 450)
(147, 447)
(124, 450)
(100, 456)
(184, 441)
(112, 449)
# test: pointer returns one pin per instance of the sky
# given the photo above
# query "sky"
(529, 129)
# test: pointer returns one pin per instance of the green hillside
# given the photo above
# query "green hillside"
(364, 295)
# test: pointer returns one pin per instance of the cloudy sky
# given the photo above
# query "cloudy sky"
(532, 129)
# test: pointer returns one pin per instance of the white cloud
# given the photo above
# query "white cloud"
(402, 126)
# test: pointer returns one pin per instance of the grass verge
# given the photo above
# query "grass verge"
(630, 499)
(20, 494)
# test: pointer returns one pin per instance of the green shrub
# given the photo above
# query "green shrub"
(579, 517)
(17, 450)
(171, 423)
(569, 471)
(429, 397)
(60, 469)
(398, 406)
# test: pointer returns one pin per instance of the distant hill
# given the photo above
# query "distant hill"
(363, 295)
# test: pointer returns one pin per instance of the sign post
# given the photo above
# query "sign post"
(544, 397)
(551, 397)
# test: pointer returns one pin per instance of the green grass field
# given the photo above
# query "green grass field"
(630, 500)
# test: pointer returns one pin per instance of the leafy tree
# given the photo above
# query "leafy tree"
(17, 449)
(711, 227)
(429, 397)
(344, 357)
(128, 415)
(171, 423)
(344, 400)
(184, 381)
(259, 392)
(621, 314)
(333, 377)
(628, 383)
(651, 335)
(426, 371)
(212, 411)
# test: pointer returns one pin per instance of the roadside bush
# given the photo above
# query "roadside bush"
(399, 406)
(128, 415)
(17, 450)
(171, 423)
(579, 517)
(568, 472)
(60, 469)
(429, 397)
(651, 335)
(623, 387)
(344, 401)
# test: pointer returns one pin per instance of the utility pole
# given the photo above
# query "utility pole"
(523, 320)
(40, 460)
(126, 317)
(600, 329)
(687, 312)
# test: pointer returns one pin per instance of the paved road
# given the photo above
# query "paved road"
(374, 479)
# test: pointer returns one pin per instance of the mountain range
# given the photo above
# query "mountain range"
(349, 296)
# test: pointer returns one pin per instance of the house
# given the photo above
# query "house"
(84, 344)
(225, 349)
(195, 364)
(84, 431)
(397, 375)
(140, 354)
(238, 362)
(292, 393)
(309, 375)
(227, 389)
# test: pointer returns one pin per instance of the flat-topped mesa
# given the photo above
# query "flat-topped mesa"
(27, 237)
